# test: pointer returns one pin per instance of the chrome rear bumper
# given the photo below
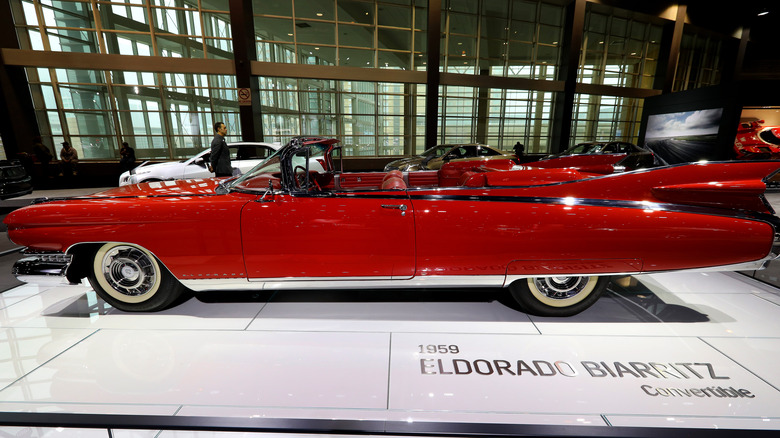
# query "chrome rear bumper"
(42, 268)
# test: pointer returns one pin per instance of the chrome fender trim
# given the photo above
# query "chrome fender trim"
(42, 269)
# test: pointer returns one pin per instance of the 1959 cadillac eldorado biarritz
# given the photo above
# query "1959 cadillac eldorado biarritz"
(554, 237)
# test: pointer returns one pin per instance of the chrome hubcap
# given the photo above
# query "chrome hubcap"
(129, 270)
(561, 288)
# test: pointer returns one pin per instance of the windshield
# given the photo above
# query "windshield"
(436, 151)
(583, 148)
(270, 169)
(271, 166)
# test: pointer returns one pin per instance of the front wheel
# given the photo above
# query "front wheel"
(130, 278)
(557, 296)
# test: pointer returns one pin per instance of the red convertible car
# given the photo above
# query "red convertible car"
(552, 236)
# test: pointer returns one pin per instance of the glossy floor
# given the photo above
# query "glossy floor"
(671, 350)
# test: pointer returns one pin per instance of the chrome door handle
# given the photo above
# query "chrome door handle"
(401, 207)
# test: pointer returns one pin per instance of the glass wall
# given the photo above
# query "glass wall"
(605, 118)
(508, 51)
(619, 51)
(520, 115)
(700, 60)
(370, 118)
(497, 117)
(356, 33)
(175, 28)
(162, 115)
(502, 38)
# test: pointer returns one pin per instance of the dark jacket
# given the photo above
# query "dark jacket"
(220, 156)
(127, 160)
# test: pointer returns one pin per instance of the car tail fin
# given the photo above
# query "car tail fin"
(740, 190)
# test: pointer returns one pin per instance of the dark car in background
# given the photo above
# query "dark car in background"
(14, 180)
(602, 157)
(435, 157)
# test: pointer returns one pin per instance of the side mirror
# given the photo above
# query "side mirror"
(270, 190)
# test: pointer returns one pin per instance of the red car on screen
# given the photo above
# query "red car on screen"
(756, 141)
(553, 237)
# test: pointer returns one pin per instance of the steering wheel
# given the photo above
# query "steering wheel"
(300, 178)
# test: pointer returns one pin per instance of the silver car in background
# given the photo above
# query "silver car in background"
(243, 157)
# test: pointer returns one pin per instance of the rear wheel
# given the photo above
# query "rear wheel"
(557, 296)
(130, 278)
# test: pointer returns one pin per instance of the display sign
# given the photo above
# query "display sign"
(547, 374)
(244, 97)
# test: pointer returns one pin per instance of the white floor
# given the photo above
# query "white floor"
(672, 350)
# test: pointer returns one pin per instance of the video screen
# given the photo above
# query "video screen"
(684, 137)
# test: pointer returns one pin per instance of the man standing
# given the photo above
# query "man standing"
(219, 162)
(519, 148)
(127, 154)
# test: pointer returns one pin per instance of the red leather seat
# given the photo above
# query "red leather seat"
(393, 174)
(393, 183)
(472, 179)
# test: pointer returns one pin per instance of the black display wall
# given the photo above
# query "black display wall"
(719, 105)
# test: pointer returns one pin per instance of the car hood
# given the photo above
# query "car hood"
(178, 187)
(156, 167)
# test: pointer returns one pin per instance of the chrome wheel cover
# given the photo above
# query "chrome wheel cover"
(561, 288)
(129, 271)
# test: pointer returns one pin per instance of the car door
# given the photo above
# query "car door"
(315, 230)
(329, 235)
(196, 168)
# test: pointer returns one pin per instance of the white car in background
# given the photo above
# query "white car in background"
(243, 156)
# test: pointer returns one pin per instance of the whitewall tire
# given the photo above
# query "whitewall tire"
(130, 278)
(558, 296)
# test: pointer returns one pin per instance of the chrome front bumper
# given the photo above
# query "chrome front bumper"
(42, 268)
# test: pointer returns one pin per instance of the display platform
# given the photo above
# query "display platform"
(659, 351)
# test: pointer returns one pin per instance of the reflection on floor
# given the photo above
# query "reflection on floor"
(670, 350)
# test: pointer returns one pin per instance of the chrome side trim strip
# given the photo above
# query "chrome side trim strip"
(345, 282)
(747, 266)
(220, 284)
(310, 279)
(423, 281)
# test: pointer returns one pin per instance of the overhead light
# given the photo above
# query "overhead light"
(319, 14)
(762, 13)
